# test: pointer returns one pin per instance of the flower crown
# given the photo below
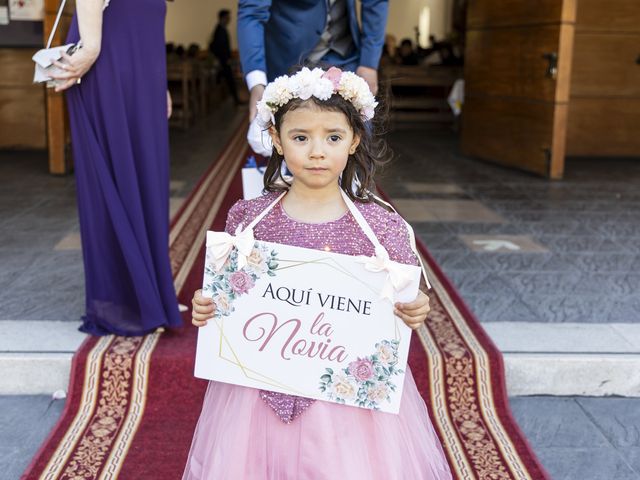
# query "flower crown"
(320, 84)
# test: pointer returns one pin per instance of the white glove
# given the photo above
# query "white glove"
(259, 139)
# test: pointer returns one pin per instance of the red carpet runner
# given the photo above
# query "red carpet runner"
(133, 402)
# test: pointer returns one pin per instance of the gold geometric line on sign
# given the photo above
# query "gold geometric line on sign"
(340, 268)
(245, 369)
(322, 261)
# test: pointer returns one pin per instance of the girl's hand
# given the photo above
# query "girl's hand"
(414, 313)
(203, 309)
(74, 67)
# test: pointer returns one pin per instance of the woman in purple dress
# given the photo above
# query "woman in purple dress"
(118, 105)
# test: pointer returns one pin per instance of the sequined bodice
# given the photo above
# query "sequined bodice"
(342, 235)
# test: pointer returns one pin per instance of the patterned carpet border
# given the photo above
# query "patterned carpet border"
(109, 376)
(458, 370)
(460, 374)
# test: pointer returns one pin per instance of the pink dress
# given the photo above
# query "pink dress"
(249, 434)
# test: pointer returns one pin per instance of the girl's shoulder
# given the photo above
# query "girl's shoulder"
(380, 217)
(391, 230)
(243, 211)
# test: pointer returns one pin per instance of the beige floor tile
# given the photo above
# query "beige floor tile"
(174, 205)
(436, 188)
(446, 211)
(176, 184)
(502, 243)
(70, 242)
(414, 210)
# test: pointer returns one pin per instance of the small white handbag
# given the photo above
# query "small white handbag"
(45, 57)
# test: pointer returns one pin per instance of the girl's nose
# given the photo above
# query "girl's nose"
(317, 149)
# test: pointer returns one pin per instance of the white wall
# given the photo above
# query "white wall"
(404, 17)
(193, 20)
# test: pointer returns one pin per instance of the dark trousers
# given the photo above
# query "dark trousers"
(226, 73)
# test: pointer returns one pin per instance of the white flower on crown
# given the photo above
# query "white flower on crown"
(303, 83)
(320, 84)
(278, 91)
(355, 89)
(323, 89)
(265, 113)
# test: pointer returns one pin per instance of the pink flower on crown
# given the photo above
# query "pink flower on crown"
(333, 75)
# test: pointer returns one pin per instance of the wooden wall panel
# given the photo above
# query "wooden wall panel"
(498, 13)
(605, 65)
(22, 108)
(510, 62)
(608, 15)
(604, 127)
(512, 132)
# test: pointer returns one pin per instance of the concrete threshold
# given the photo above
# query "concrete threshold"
(540, 358)
(561, 359)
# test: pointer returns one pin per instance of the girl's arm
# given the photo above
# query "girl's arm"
(90, 25)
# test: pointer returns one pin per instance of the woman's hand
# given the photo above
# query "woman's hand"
(414, 313)
(169, 105)
(203, 309)
(74, 67)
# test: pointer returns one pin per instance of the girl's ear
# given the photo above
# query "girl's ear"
(275, 138)
(354, 144)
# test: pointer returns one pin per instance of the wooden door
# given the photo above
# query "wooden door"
(517, 80)
(604, 112)
(22, 122)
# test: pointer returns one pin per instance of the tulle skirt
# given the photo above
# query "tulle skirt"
(239, 437)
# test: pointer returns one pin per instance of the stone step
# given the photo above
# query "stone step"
(35, 356)
(540, 358)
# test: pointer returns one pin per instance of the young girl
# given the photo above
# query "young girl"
(318, 123)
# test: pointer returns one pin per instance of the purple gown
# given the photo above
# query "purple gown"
(120, 144)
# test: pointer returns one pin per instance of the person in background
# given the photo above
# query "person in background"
(116, 91)
(274, 35)
(406, 54)
(220, 47)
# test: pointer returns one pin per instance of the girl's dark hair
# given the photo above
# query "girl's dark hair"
(370, 155)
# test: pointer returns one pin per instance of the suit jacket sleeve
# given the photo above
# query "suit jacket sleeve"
(374, 24)
(252, 18)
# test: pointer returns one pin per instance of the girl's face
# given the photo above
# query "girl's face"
(316, 145)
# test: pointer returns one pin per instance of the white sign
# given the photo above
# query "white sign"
(28, 10)
(306, 322)
(4, 15)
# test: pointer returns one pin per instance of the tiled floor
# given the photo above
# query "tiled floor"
(574, 438)
(519, 248)
(573, 251)
(588, 228)
(583, 438)
(42, 276)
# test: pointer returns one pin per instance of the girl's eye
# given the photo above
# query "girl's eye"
(335, 138)
(299, 138)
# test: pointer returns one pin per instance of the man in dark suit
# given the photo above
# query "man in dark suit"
(274, 35)
(221, 48)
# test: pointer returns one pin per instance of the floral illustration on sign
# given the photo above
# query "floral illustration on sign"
(229, 283)
(365, 382)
